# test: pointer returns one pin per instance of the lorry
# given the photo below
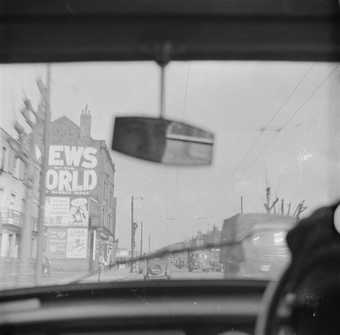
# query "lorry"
(261, 250)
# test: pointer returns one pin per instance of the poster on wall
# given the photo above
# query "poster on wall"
(57, 206)
(66, 211)
(71, 170)
(76, 243)
(79, 212)
(56, 243)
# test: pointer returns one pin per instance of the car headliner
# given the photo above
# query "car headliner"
(83, 30)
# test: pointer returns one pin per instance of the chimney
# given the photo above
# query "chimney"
(85, 123)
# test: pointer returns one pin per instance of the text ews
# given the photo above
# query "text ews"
(71, 169)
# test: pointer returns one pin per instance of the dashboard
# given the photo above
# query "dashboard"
(135, 308)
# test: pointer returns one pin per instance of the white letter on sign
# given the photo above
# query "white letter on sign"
(65, 179)
(90, 180)
(91, 159)
(54, 155)
(73, 155)
(75, 182)
(51, 179)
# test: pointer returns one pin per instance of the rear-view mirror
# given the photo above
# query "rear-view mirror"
(163, 141)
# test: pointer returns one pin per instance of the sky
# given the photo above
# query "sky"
(296, 155)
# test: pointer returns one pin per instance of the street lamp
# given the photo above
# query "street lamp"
(134, 227)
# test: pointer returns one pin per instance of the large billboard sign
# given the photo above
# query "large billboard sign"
(67, 220)
(76, 243)
(71, 170)
(56, 240)
(67, 211)
(66, 243)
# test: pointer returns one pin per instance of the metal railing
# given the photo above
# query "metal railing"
(10, 217)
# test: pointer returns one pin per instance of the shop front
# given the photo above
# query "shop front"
(105, 247)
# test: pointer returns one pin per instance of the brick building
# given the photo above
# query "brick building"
(80, 218)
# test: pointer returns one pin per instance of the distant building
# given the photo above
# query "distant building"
(122, 254)
(15, 183)
(80, 215)
(12, 196)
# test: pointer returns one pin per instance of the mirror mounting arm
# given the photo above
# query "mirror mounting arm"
(162, 60)
(162, 92)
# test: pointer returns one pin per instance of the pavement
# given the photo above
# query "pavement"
(114, 275)
(196, 275)
(122, 274)
(125, 274)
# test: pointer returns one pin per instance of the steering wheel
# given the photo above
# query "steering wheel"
(304, 302)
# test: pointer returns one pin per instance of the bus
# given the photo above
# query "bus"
(262, 251)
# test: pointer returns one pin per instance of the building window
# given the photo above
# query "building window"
(22, 170)
(3, 158)
(2, 197)
(36, 180)
(18, 168)
(15, 167)
(12, 201)
(108, 223)
(10, 164)
(113, 204)
(104, 190)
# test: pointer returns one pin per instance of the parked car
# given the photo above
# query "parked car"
(156, 269)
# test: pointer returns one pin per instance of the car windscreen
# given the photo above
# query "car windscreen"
(70, 205)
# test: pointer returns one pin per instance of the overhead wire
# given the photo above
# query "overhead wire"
(285, 103)
(285, 125)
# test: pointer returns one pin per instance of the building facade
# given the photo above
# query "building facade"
(18, 190)
(80, 211)
(12, 196)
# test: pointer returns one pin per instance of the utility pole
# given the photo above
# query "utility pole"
(134, 227)
(141, 239)
(38, 126)
(45, 106)
(267, 204)
(241, 204)
(26, 234)
(149, 242)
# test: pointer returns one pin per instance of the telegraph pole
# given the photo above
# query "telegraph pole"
(26, 152)
(45, 91)
(134, 227)
(132, 234)
(141, 239)
(38, 126)
(149, 240)
(26, 234)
